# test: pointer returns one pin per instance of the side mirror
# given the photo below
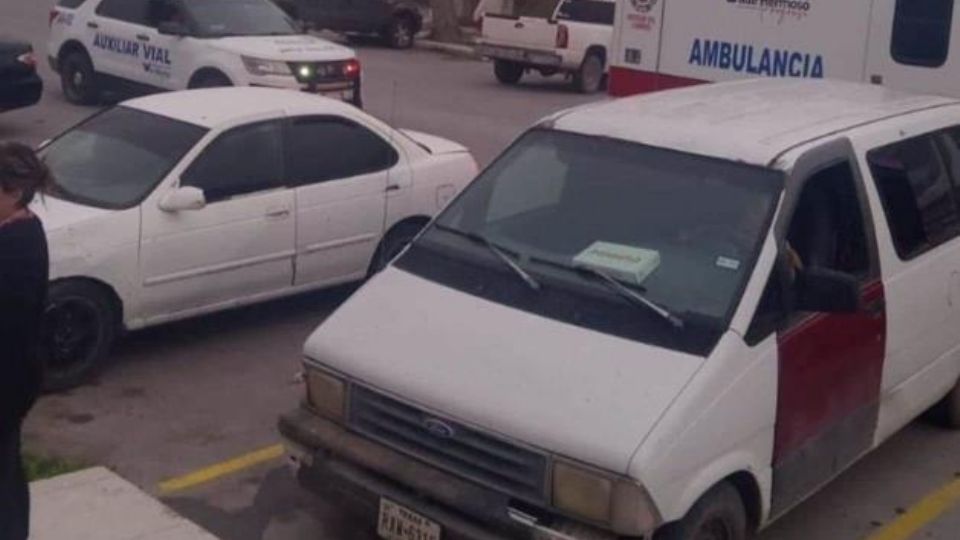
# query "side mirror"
(172, 28)
(184, 198)
(827, 291)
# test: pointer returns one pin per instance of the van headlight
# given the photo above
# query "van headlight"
(616, 501)
(326, 394)
(260, 67)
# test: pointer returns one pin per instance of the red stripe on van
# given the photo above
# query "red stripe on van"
(627, 82)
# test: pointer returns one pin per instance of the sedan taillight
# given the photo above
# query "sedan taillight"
(28, 59)
(53, 17)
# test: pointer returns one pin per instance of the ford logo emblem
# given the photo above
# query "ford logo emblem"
(438, 428)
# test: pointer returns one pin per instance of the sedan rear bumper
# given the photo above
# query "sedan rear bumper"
(19, 91)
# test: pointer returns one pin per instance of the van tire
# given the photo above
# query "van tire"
(507, 72)
(950, 407)
(719, 514)
(80, 325)
(589, 78)
(78, 80)
(209, 79)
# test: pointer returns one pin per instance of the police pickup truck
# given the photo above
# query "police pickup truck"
(149, 45)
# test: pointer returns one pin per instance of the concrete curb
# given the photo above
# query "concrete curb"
(96, 504)
(454, 49)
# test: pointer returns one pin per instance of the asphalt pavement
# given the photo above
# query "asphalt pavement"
(179, 398)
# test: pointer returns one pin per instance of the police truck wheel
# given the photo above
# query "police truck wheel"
(210, 80)
(78, 80)
(589, 78)
(79, 327)
(507, 72)
(718, 515)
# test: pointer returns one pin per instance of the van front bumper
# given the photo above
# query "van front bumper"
(327, 454)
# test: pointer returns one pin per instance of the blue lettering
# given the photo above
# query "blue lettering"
(751, 67)
(711, 51)
(765, 63)
(696, 56)
(725, 52)
(780, 61)
(795, 60)
(739, 57)
(817, 72)
(806, 65)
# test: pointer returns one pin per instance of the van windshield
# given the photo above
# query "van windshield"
(683, 231)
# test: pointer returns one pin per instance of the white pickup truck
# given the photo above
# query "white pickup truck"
(549, 36)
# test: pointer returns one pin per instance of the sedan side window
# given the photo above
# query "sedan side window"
(325, 148)
(244, 160)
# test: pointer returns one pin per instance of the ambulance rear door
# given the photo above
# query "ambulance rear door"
(915, 46)
(636, 47)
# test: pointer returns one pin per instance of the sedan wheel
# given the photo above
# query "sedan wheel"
(78, 331)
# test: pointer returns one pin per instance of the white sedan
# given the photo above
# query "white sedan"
(180, 204)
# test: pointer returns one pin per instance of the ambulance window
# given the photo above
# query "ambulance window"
(587, 11)
(131, 11)
(916, 193)
(921, 32)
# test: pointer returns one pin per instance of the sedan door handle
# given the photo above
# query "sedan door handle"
(93, 25)
(278, 212)
(143, 37)
(392, 187)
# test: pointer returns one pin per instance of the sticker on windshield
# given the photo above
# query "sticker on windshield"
(728, 263)
(626, 263)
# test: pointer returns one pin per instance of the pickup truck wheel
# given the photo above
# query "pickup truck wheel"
(78, 80)
(589, 78)
(718, 515)
(507, 72)
(400, 33)
(80, 325)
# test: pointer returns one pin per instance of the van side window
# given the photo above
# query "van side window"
(587, 11)
(921, 32)
(916, 194)
(827, 229)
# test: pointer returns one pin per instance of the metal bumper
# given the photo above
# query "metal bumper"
(327, 454)
(524, 56)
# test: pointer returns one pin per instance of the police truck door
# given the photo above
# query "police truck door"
(115, 49)
(913, 46)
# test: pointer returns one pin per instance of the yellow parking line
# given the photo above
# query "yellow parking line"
(920, 514)
(221, 469)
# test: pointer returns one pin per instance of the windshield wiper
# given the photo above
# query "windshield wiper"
(496, 250)
(633, 295)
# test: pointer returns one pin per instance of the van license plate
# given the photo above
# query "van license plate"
(399, 523)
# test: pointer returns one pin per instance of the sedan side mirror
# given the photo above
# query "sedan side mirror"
(183, 198)
(827, 291)
(172, 28)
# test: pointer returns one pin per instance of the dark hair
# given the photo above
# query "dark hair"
(21, 169)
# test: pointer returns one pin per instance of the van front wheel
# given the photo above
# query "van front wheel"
(718, 515)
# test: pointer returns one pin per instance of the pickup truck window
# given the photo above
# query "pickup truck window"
(540, 9)
(587, 11)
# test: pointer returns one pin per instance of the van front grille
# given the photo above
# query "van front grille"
(463, 451)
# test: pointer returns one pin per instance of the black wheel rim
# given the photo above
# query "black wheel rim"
(715, 529)
(72, 332)
(592, 74)
(76, 80)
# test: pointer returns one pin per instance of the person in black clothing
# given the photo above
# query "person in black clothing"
(24, 271)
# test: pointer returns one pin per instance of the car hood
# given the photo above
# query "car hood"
(293, 48)
(562, 388)
(433, 144)
(58, 214)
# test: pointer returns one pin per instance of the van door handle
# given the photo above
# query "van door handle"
(143, 37)
(278, 212)
(93, 25)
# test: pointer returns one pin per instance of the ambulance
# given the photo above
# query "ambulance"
(661, 44)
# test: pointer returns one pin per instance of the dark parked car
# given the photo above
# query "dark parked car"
(19, 84)
(396, 21)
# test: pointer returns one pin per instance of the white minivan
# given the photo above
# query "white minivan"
(680, 313)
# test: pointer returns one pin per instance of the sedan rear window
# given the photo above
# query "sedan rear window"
(115, 159)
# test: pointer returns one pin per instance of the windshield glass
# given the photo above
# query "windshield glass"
(114, 159)
(681, 230)
(219, 18)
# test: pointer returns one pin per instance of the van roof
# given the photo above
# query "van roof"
(753, 121)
